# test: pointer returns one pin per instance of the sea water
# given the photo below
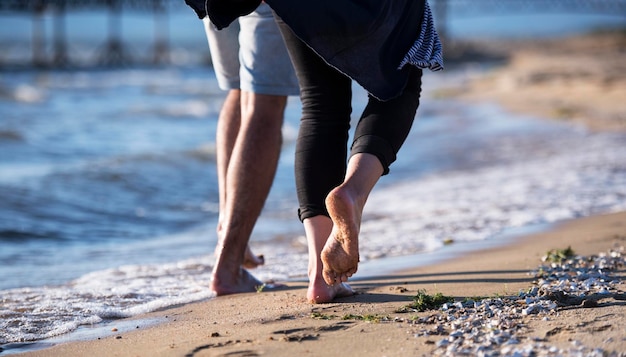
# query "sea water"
(108, 192)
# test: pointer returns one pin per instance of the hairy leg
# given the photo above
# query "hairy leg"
(228, 126)
(248, 179)
(317, 230)
(345, 204)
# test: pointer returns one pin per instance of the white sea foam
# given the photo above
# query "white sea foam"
(475, 205)
(29, 314)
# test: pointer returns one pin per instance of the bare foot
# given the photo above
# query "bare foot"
(243, 282)
(319, 292)
(340, 255)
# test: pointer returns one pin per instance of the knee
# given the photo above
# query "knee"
(263, 107)
(323, 105)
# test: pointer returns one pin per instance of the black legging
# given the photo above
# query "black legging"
(321, 148)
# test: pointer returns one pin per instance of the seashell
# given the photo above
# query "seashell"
(442, 343)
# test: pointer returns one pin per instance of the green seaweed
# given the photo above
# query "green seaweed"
(370, 318)
(320, 316)
(559, 255)
(424, 302)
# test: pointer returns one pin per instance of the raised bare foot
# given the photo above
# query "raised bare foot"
(340, 255)
(319, 292)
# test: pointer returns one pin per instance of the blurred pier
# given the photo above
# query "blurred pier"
(115, 53)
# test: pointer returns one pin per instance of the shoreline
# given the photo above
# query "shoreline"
(369, 270)
(282, 323)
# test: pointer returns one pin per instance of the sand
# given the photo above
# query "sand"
(582, 80)
(282, 323)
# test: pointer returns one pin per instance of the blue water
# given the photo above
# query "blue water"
(101, 158)
(108, 193)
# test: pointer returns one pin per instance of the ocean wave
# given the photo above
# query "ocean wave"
(119, 198)
(30, 314)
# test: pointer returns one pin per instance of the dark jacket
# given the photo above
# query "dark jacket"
(365, 39)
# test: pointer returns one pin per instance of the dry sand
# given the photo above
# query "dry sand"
(581, 79)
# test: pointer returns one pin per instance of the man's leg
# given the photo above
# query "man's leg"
(248, 170)
(227, 129)
(224, 49)
(248, 180)
(226, 135)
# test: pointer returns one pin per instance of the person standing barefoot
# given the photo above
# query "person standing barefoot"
(332, 193)
(252, 64)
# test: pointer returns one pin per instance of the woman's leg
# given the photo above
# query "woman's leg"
(321, 151)
(379, 135)
(321, 147)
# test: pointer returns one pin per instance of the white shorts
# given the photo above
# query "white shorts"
(250, 55)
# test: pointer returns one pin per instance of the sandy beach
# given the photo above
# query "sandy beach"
(581, 80)
(282, 323)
